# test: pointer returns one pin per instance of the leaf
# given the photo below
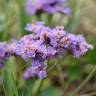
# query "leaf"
(91, 57)
(51, 91)
(9, 83)
(75, 73)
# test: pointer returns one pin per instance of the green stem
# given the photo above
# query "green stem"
(49, 20)
(39, 87)
(52, 67)
(84, 82)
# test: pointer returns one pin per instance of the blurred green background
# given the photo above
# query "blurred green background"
(70, 77)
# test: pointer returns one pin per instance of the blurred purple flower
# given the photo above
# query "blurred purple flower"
(78, 45)
(4, 53)
(54, 6)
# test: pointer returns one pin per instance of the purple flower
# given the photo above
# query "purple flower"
(78, 45)
(38, 69)
(54, 6)
(4, 53)
(42, 74)
(54, 42)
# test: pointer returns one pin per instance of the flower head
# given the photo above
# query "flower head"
(38, 69)
(57, 38)
(49, 6)
(78, 45)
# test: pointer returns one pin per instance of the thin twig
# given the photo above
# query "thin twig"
(84, 82)
(39, 87)
(89, 94)
(52, 67)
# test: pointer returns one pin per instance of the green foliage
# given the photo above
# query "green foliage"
(51, 91)
(9, 79)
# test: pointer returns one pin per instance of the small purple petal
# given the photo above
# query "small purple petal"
(42, 74)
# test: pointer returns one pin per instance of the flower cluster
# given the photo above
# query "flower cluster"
(49, 6)
(44, 43)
